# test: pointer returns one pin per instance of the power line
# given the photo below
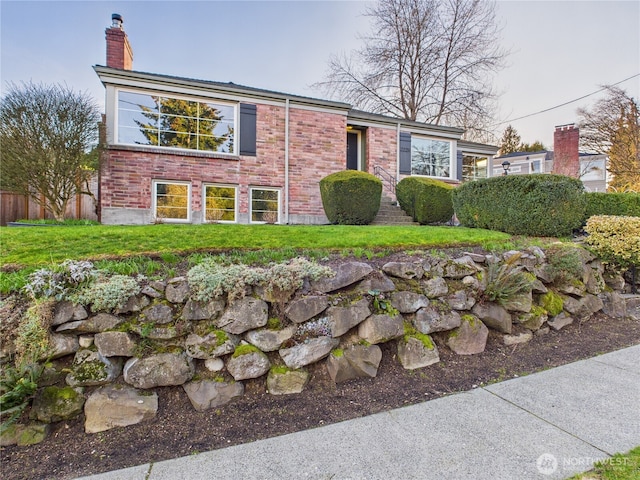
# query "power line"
(566, 103)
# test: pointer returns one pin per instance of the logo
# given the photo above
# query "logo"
(547, 464)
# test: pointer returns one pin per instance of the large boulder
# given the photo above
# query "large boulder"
(114, 406)
(381, 328)
(115, 344)
(269, 340)
(583, 307)
(159, 313)
(494, 316)
(252, 364)
(305, 308)
(89, 368)
(460, 300)
(417, 352)
(244, 314)
(354, 362)
(309, 352)
(406, 270)
(436, 287)
(206, 394)
(408, 302)
(96, 324)
(286, 382)
(159, 370)
(54, 404)
(62, 345)
(460, 268)
(194, 310)
(177, 290)
(346, 274)
(343, 319)
(430, 319)
(213, 344)
(469, 338)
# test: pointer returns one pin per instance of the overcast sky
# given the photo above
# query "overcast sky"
(561, 50)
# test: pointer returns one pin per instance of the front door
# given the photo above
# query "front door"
(352, 150)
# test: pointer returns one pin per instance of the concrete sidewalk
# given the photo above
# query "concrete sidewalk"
(548, 425)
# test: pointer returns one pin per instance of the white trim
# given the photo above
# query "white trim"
(358, 134)
(269, 189)
(154, 199)
(204, 202)
(453, 154)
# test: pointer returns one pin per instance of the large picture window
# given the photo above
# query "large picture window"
(265, 205)
(171, 201)
(430, 157)
(162, 121)
(220, 203)
(474, 167)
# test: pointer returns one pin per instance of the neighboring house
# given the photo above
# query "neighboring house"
(565, 159)
(195, 151)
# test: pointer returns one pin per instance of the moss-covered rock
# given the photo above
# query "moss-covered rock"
(54, 404)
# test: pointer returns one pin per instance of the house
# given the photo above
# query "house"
(565, 159)
(196, 151)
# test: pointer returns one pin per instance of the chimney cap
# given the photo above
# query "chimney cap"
(116, 20)
(566, 126)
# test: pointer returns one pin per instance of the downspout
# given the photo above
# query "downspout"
(286, 162)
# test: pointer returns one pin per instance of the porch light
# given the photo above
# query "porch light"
(506, 166)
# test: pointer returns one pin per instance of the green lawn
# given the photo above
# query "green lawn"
(30, 246)
(622, 466)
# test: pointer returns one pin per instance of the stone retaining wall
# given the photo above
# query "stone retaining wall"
(163, 337)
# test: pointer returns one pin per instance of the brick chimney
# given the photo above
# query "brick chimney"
(119, 53)
(565, 150)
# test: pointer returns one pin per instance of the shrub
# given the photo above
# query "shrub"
(108, 294)
(351, 197)
(616, 240)
(17, 387)
(58, 281)
(506, 279)
(564, 264)
(32, 334)
(425, 199)
(619, 204)
(536, 205)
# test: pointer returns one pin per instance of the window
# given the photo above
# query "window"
(220, 203)
(265, 205)
(162, 121)
(430, 157)
(474, 167)
(171, 201)
(535, 166)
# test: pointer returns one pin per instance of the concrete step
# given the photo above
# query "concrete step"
(391, 214)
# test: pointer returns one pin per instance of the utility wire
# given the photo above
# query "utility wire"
(567, 103)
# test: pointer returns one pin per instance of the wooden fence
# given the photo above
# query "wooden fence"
(17, 207)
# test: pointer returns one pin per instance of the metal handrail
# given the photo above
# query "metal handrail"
(388, 180)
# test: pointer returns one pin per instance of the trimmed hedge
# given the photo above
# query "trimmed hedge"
(351, 197)
(615, 239)
(541, 205)
(619, 204)
(425, 199)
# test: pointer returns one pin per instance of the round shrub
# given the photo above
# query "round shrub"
(541, 205)
(425, 199)
(351, 197)
(620, 204)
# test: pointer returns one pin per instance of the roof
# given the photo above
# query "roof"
(355, 114)
(477, 147)
(524, 154)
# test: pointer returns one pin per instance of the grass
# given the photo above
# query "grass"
(624, 466)
(28, 247)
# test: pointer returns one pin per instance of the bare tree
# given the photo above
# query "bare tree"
(612, 127)
(48, 136)
(426, 60)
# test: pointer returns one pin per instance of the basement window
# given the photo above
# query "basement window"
(171, 201)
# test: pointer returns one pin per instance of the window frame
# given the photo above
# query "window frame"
(154, 201)
(270, 189)
(190, 98)
(204, 202)
(476, 157)
(452, 153)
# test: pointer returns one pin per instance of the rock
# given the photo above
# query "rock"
(534, 319)
(85, 341)
(408, 302)
(521, 302)
(25, 435)
(460, 300)
(615, 281)
(542, 331)
(594, 281)
(287, 382)
(436, 287)
(162, 369)
(213, 344)
(62, 313)
(214, 364)
(613, 304)
(269, 340)
(150, 291)
(158, 314)
(406, 270)
(430, 320)
(493, 316)
(346, 274)
(560, 321)
(309, 352)
(96, 324)
(375, 281)
(114, 406)
(476, 257)
(115, 344)
(54, 404)
(538, 287)
(253, 364)
(177, 290)
(161, 332)
(134, 304)
(415, 353)
(471, 282)
(469, 338)
(381, 328)
(576, 288)
(523, 337)
(63, 345)
(343, 319)
(244, 314)
(460, 267)
(354, 362)
(206, 394)
(583, 307)
(633, 305)
(89, 369)
(305, 308)
(202, 310)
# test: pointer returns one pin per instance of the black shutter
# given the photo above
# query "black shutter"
(459, 163)
(405, 153)
(247, 129)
